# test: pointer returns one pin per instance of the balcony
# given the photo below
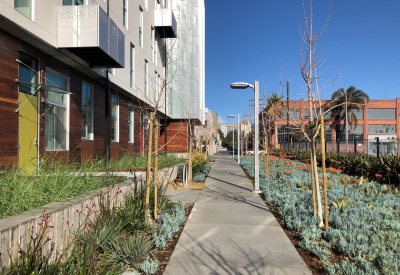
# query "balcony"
(89, 33)
(165, 23)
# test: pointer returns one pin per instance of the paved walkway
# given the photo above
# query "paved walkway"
(230, 230)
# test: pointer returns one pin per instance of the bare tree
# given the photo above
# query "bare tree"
(309, 67)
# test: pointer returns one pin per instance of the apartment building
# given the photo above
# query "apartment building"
(379, 119)
(78, 77)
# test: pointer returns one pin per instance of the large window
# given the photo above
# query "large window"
(358, 112)
(57, 113)
(132, 67)
(27, 73)
(293, 114)
(125, 13)
(73, 2)
(354, 133)
(382, 129)
(114, 118)
(87, 111)
(24, 7)
(381, 114)
(146, 77)
(141, 27)
(288, 134)
(130, 124)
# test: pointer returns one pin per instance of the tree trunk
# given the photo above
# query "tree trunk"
(318, 193)
(190, 174)
(276, 134)
(324, 173)
(313, 184)
(148, 171)
(156, 151)
(265, 155)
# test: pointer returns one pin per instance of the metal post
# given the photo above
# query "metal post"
(338, 145)
(377, 147)
(256, 143)
(355, 145)
(238, 138)
(347, 132)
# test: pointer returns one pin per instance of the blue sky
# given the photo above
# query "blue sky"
(260, 40)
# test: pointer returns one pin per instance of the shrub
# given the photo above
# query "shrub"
(199, 177)
(198, 162)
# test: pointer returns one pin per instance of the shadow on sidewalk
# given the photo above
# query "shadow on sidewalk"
(232, 197)
(253, 257)
(227, 182)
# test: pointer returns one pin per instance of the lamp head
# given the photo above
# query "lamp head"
(241, 85)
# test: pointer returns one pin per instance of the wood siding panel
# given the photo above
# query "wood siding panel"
(9, 52)
(177, 137)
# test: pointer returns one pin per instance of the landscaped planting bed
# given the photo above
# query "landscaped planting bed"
(364, 225)
(58, 181)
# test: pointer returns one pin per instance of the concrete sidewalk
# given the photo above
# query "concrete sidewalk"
(231, 231)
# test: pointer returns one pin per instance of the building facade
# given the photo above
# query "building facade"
(379, 119)
(78, 78)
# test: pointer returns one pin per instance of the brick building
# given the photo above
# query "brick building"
(379, 118)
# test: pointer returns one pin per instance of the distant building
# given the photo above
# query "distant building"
(380, 119)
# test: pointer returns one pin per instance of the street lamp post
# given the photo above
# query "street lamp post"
(238, 134)
(244, 85)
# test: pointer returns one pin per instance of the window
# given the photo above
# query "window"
(155, 50)
(24, 7)
(146, 77)
(354, 133)
(140, 27)
(27, 73)
(293, 114)
(87, 111)
(114, 118)
(382, 129)
(381, 114)
(152, 44)
(288, 134)
(156, 88)
(132, 67)
(111, 71)
(358, 112)
(57, 117)
(130, 124)
(73, 2)
(125, 13)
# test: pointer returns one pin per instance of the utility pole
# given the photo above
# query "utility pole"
(287, 115)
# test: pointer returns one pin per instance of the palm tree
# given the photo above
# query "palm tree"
(350, 100)
(274, 110)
